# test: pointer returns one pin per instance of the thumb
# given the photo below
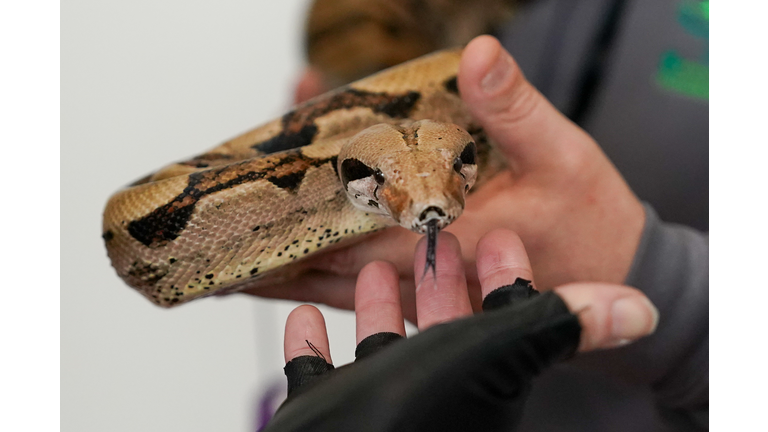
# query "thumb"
(531, 132)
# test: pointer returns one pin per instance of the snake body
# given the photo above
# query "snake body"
(398, 147)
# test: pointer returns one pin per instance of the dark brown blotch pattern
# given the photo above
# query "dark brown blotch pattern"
(299, 127)
(165, 223)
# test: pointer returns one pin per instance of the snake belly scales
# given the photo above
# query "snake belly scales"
(398, 147)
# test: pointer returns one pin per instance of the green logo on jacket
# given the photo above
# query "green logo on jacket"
(685, 75)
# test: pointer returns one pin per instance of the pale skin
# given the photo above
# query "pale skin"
(574, 212)
(610, 315)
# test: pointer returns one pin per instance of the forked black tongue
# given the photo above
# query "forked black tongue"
(430, 260)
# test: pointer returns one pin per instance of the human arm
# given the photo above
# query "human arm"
(579, 221)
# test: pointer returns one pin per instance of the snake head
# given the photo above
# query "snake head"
(413, 172)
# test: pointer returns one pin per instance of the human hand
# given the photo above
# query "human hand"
(576, 215)
(470, 374)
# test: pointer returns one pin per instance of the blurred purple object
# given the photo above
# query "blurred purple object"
(272, 398)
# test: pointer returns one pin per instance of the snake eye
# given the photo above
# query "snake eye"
(379, 177)
(352, 169)
(457, 164)
(469, 154)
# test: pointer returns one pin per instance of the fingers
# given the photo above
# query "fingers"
(377, 301)
(306, 324)
(501, 259)
(610, 315)
(447, 299)
(528, 129)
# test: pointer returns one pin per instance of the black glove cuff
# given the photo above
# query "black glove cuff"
(374, 343)
(509, 294)
(305, 369)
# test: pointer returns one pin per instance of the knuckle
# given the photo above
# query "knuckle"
(525, 100)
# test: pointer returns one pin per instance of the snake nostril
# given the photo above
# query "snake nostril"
(429, 210)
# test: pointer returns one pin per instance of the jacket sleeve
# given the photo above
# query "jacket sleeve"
(671, 267)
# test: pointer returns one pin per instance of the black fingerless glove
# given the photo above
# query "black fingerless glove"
(472, 374)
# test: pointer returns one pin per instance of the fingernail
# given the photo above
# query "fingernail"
(498, 73)
(633, 317)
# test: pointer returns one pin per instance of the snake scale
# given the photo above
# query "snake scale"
(398, 147)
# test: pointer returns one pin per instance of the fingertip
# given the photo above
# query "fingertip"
(305, 325)
(500, 232)
(610, 315)
(377, 269)
(476, 60)
(377, 301)
(488, 76)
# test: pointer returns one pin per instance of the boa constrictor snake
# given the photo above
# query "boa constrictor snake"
(398, 147)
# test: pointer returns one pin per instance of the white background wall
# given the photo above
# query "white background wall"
(144, 83)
